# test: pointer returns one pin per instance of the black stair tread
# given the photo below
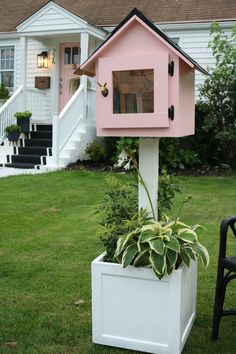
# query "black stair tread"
(35, 159)
(43, 127)
(38, 142)
(41, 135)
(32, 150)
(20, 165)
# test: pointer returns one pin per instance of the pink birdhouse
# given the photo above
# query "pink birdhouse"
(145, 82)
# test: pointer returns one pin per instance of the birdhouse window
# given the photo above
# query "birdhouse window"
(133, 91)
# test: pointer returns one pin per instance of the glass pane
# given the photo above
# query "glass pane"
(7, 58)
(67, 56)
(75, 55)
(133, 91)
(7, 78)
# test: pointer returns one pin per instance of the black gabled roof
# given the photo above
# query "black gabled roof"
(139, 14)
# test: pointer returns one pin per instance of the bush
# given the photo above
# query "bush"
(4, 92)
(96, 152)
(218, 92)
(119, 209)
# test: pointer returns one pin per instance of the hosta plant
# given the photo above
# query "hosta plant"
(163, 246)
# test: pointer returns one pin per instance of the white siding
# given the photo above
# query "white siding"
(195, 44)
(34, 48)
(52, 20)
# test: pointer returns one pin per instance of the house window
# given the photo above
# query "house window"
(71, 55)
(133, 91)
(7, 66)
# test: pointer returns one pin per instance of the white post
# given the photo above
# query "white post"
(55, 138)
(148, 169)
(84, 47)
(23, 66)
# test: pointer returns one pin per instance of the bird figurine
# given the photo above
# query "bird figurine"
(103, 88)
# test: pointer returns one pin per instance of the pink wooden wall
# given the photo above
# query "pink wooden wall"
(137, 47)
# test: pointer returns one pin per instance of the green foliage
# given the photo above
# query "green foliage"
(13, 128)
(119, 214)
(175, 156)
(4, 92)
(125, 144)
(23, 115)
(161, 246)
(96, 151)
(102, 150)
(219, 93)
(119, 209)
(166, 192)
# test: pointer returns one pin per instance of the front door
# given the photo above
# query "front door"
(70, 58)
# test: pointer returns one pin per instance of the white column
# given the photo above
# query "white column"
(23, 66)
(84, 47)
(149, 169)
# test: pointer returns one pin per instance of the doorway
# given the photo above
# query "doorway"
(70, 59)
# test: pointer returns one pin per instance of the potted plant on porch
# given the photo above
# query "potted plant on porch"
(23, 120)
(146, 301)
(13, 132)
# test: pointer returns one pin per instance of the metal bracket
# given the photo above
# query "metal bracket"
(171, 112)
(171, 67)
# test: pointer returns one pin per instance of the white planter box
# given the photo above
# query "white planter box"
(132, 309)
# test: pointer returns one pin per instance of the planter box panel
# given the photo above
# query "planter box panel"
(132, 309)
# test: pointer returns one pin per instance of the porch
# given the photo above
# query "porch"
(67, 41)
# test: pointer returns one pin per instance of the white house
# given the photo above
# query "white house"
(62, 34)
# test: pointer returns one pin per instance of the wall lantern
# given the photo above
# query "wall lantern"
(42, 60)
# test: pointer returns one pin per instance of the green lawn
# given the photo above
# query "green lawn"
(47, 242)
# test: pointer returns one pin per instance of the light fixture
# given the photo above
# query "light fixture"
(42, 60)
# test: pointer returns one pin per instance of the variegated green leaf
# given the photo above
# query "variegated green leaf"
(143, 246)
(158, 263)
(190, 252)
(201, 251)
(146, 236)
(169, 268)
(129, 254)
(142, 259)
(119, 246)
(157, 245)
(187, 235)
(184, 256)
(173, 244)
(172, 257)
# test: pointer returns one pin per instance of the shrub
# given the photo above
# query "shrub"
(13, 128)
(96, 151)
(119, 209)
(23, 115)
(219, 93)
(4, 92)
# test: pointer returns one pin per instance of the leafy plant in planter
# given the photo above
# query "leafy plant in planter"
(13, 132)
(163, 246)
(23, 120)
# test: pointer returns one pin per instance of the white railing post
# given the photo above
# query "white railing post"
(55, 138)
(23, 71)
(84, 45)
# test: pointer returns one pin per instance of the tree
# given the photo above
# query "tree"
(219, 93)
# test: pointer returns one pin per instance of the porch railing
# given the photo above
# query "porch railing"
(36, 103)
(67, 121)
(7, 111)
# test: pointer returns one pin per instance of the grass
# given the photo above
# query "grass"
(47, 242)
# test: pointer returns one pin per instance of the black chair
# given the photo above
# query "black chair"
(226, 272)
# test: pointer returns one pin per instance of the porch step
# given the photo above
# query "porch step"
(38, 142)
(34, 150)
(41, 134)
(35, 159)
(19, 165)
